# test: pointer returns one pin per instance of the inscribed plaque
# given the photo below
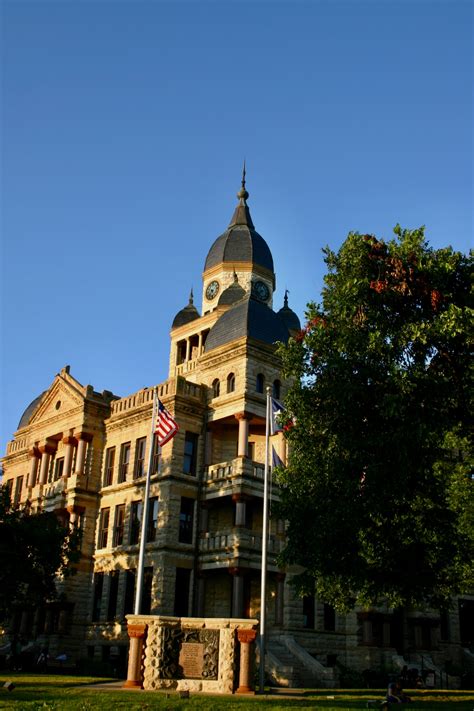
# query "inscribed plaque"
(191, 660)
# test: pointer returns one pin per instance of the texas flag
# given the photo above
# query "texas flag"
(277, 409)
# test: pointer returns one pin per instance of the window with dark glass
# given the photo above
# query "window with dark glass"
(109, 466)
(276, 389)
(129, 598)
(156, 455)
(119, 524)
(124, 461)
(103, 528)
(139, 468)
(181, 594)
(58, 468)
(145, 607)
(18, 488)
(186, 517)
(97, 599)
(113, 595)
(190, 453)
(329, 618)
(216, 388)
(260, 383)
(308, 611)
(135, 521)
(152, 523)
(230, 383)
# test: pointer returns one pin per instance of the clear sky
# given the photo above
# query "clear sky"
(124, 128)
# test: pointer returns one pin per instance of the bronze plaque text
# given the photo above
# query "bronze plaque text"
(191, 660)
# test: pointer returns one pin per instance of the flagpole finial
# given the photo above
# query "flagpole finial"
(243, 193)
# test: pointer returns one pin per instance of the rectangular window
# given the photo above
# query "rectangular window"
(190, 453)
(9, 486)
(308, 612)
(152, 519)
(135, 522)
(156, 455)
(109, 466)
(181, 592)
(119, 523)
(58, 468)
(124, 462)
(186, 518)
(145, 607)
(129, 600)
(329, 618)
(98, 590)
(18, 488)
(113, 595)
(103, 528)
(139, 468)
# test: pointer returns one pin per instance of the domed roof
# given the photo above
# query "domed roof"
(247, 318)
(186, 315)
(288, 316)
(26, 416)
(233, 293)
(240, 242)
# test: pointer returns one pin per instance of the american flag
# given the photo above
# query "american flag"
(166, 427)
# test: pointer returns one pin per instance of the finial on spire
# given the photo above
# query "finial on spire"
(236, 278)
(191, 296)
(243, 194)
(285, 298)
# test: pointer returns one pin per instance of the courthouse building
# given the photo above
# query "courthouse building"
(84, 455)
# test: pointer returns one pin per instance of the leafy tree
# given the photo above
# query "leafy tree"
(378, 492)
(34, 548)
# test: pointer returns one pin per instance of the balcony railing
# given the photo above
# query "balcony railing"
(232, 541)
(233, 468)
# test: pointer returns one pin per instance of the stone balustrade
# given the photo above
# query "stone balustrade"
(232, 540)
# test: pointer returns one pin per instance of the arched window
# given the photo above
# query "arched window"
(230, 383)
(276, 389)
(216, 388)
(260, 382)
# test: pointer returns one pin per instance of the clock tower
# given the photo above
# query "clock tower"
(240, 255)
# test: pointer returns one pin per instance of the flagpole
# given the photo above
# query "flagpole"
(263, 584)
(141, 554)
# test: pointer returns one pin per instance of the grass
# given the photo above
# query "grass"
(72, 693)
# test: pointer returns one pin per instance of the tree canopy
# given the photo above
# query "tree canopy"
(34, 548)
(378, 491)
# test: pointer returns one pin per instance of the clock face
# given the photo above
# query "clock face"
(261, 290)
(212, 290)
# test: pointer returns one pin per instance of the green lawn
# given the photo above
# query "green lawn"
(72, 693)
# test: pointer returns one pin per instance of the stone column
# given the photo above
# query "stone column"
(35, 456)
(201, 594)
(279, 602)
(243, 444)
(136, 634)
(208, 449)
(83, 439)
(47, 450)
(240, 509)
(69, 444)
(246, 639)
(188, 349)
(237, 592)
(204, 518)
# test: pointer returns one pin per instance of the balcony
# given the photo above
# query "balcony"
(238, 475)
(228, 546)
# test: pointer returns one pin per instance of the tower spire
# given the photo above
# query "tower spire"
(243, 194)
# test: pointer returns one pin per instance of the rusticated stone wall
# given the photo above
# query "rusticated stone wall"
(218, 638)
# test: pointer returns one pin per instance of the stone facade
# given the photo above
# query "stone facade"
(85, 455)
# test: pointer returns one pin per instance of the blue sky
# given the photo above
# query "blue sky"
(124, 128)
